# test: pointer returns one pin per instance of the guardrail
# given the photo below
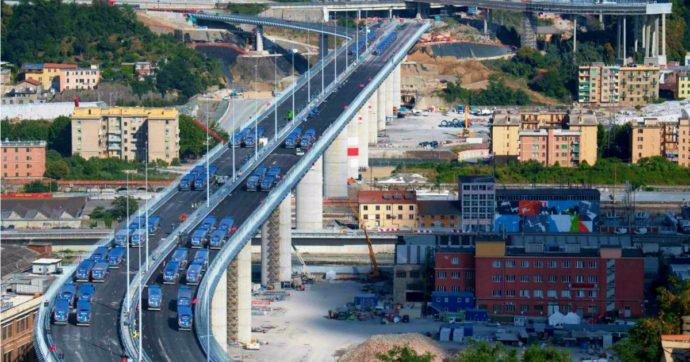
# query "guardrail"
(266, 21)
(214, 351)
(127, 316)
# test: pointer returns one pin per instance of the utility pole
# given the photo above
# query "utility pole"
(323, 60)
(127, 244)
(208, 173)
(308, 71)
(146, 203)
(294, 86)
(256, 110)
(275, 102)
(232, 115)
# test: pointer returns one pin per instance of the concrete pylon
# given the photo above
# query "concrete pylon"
(390, 93)
(381, 107)
(259, 44)
(238, 299)
(275, 233)
(353, 148)
(309, 199)
(219, 311)
(363, 135)
(373, 119)
(335, 167)
(397, 91)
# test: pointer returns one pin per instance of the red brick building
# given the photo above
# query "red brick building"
(537, 281)
(23, 159)
(454, 268)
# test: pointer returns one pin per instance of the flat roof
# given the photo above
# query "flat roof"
(477, 179)
(387, 197)
(47, 261)
(557, 193)
(438, 207)
(8, 143)
(98, 112)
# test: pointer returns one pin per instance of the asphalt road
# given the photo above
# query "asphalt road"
(162, 341)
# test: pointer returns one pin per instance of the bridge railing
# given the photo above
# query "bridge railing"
(127, 317)
(210, 345)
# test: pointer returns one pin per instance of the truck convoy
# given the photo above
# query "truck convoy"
(196, 178)
(263, 178)
(184, 310)
(385, 43)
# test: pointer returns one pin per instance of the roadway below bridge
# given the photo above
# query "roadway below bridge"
(161, 339)
(101, 341)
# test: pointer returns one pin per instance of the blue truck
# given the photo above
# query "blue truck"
(185, 183)
(121, 237)
(115, 257)
(293, 138)
(180, 256)
(171, 272)
(193, 275)
(217, 239)
(199, 237)
(253, 183)
(83, 313)
(267, 183)
(252, 137)
(209, 222)
(99, 272)
(68, 292)
(85, 292)
(227, 224)
(84, 270)
(201, 257)
(154, 297)
(201, 177)
(184, 296)
(100, 253)
(184, 318)
(137, 238)
(238, 139)
(154, 224)
(61, 311)
(275, 171)
(260, 171)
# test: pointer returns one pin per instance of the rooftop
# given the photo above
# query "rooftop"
(98, 112)
(16, 258)
(477, 179)
(564, 193)
(387, 197)
(8, 143)
(54, 208)
(438, 207)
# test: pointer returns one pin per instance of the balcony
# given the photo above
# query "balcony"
(112, 138)
(114, 146)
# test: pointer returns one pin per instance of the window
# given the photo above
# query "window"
(469, 275)
(455, 275)
(593, 264)
(524, 264)
(510, 278)
(524, 278)
(565, 264)
(7, 357)
(524, 293)
(414, 273)
(580, 294)
(579, 279)
(365, 207)
(496, 264)
(552, 278)
(378, 207)
(538, 293)
(579, 264)
(510, 263)
(551, 293)
(565, 278)
(539, 264)
(497, 278)
(455, 260)
(510, 308)
(524, 308)
(565, 294)
(496, 292)
(400, 207)
(592, 279)
(442, 275)
(7, 331)
(401, 274)
(538, 279)
(592, 293)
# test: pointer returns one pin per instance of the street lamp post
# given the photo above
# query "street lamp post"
(208, 172)
(146, 203)
(308, 71)
(293, 87)
(256, 110)
(275, 103)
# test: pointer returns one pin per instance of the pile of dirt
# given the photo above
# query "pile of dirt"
(369, 349)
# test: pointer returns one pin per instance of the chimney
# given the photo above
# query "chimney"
(76, 102)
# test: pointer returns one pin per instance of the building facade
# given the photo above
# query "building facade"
(388, 209)
(478, 201)
(548, 137)
(412, 270)
(60, 77)
(683, 84)
(17, 328)
(23, 159)
(617, 86)
(79, 78)
(438, 214)
(126, 133)
(454, 268)
(669, 139)
(539, 280)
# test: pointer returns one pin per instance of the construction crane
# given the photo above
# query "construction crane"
(375, 273)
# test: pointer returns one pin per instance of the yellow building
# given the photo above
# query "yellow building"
(670, 139)
(126, 133)
(511, 129)
(683, 85)
(617, 86)
(388, 209)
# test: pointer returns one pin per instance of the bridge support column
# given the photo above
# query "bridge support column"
(335, 167)
(363, 134)
(309, 199)
(575, 39)
(352, 130)
(390, 13)
(373, 119)
(220, 309)
(275, 233)
(390, 93)
(397, 91)
(381, 107)
(528, 30)
(259, 42)
(238, 279)
(636, 32)
(663, 36)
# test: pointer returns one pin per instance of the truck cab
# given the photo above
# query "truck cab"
(184, 318)
(275, 171)
(115, 256)
(193, 275)
(267, 183)
(171, 272)
(198, 237)
(100, 253)
(201, 257)
(85, 292)
(180, 256)
(252, 183)
(154, 297)
(83, 313)
(137, 238)
(209, 222)
(217, 239)
(68, 292)
(99, 272)
(121, 237)
(61, 311)
(84, 270)
(185, 183)
(184, 296)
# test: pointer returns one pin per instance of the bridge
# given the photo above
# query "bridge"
(354, 93)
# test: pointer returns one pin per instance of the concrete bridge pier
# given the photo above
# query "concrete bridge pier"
(335, 168)
(373, 119)
(381, 107)
(654, 39)
(390, 93)
(259, 42)
(528, 30)
(363, 134)
(309, 199)
(276, 263)
(352, 130)
(397, 91)
(231, 306)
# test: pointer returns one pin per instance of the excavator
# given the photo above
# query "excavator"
(375, 272)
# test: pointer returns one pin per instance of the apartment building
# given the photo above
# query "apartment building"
(18, 318)
(79, 78)
(454, 268)
(23, 159)
(60, 77)
(617, 86)
(539, 280)
(683, 84)
(388, 209)
(546, 136)
(478, 202)
(667, 138)
(438, 213)
(129, 133)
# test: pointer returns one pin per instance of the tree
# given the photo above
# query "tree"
(38, 186)
(192, 138)
(97, 213)
(57, 170)
(60, 136)
(485, 352)
(537, 354)
(119, 207)
(404, 354)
